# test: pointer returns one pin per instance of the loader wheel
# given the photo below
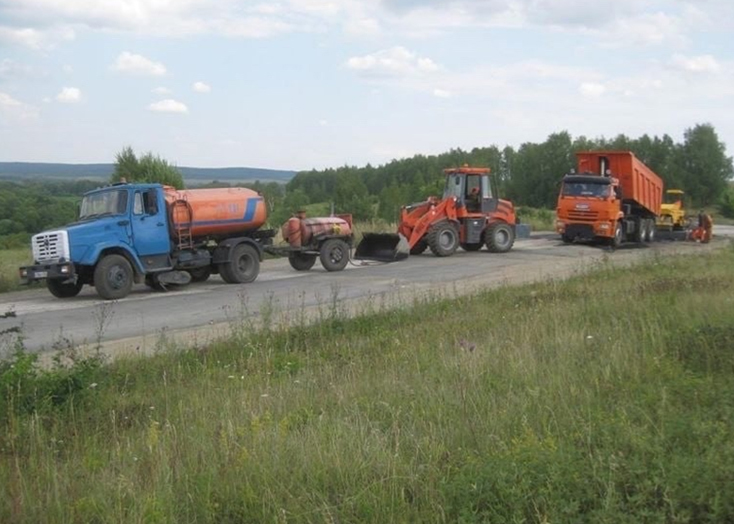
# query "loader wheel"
(61, 289)
(334, 254)
(471, 247)
(419, 248)
(200, 274)
(113, 277)
(500, 237)
(243, 266)
(301, 261)
(443, 239)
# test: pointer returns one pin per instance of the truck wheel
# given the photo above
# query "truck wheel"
(566, 239)
(641, 233)
(61, 289)
(616, 240)
(113, 277)
(651, 231)
(301, 261)
(471, 247)
(243, 266)
(500, 238)
(334, 254)
(443, 239)
(200, 274)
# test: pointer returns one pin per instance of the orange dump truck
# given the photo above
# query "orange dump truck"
(612, 197)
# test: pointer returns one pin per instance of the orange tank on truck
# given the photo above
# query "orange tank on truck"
(613, 198)
(215, 213)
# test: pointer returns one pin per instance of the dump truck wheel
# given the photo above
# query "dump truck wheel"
(334, 254)
(443, 239)
(500, 238)
(61, 289)
(616, 240)
(243, 266)
(200, 274)
(113, 277)
(419, 248)
(651, 231)
(301, 262)
(471, 247)
(641, 233)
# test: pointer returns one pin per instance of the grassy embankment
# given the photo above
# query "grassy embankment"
(606, 398)
(10, 261)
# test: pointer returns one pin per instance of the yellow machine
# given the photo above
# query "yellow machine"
(672, 212)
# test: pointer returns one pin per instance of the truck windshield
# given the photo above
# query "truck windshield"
(586, 189)
(113, 202)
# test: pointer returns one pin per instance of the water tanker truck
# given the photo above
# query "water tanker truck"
(155, 234)
(613, 198)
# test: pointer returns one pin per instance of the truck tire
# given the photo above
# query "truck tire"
(200, 274)
(301, 261)
(500, 237)
(334, 254)
(243, 266)
(443, 239)
(641, 232)
(651, 230)
(419, 247)
(616, 240)
(61, 289)
(113, 277)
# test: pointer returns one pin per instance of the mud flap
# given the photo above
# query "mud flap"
(383, 247)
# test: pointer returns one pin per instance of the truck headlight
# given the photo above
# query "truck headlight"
(23, 273)
(603, 226)
(560, 223)
(65, 270)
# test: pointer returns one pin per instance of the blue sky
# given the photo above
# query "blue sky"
(301, 84)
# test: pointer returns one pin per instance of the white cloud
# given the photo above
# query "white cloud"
(201, 87)
(441, 93)
(592, 89)
(69, 95)
(168, 106)
(160, 90)
(133, 64)
(696, 64)
(33, 38)
(11, 108)
(394, 62)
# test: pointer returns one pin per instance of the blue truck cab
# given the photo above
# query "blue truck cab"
(124, 235)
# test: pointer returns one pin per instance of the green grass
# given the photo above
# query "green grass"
(10, 261)
(538, 219)
(606, 398)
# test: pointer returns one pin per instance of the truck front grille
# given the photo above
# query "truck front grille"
(583, 216)
(50, 246)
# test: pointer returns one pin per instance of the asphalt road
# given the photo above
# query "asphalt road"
(145, 319)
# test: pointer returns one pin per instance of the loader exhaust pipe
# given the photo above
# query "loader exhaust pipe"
(382, 247)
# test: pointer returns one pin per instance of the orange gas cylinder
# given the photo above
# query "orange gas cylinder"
(216, 213)
(311, 227)
(292, 231)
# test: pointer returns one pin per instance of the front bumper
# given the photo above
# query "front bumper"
(56, 270)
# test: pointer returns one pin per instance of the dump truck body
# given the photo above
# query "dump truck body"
(614, 197)
(148, 232)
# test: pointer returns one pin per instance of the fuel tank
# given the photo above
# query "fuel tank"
(300, 231)
(215, 212)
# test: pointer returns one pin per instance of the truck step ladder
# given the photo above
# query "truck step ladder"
(182, 218)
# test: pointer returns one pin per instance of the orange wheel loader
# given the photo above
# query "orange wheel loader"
(468, 215)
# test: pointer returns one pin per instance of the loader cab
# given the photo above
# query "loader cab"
(472, 190)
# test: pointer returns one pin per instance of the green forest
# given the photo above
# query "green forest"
(528, 175)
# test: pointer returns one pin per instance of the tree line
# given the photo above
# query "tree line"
(529, 175)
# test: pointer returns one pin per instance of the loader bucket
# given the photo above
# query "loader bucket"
(383, 247)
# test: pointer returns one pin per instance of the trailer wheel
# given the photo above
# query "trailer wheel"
(471, 247)
(443, 239)
(243, 266)
(420, 247)
(200, 274)
(334, 254)
(113, 277)
(500, 237)
(301, 261)
(61, 289)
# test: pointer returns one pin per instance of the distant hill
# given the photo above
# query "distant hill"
(35, 170)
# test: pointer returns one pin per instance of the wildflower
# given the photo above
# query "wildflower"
(92, 385)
